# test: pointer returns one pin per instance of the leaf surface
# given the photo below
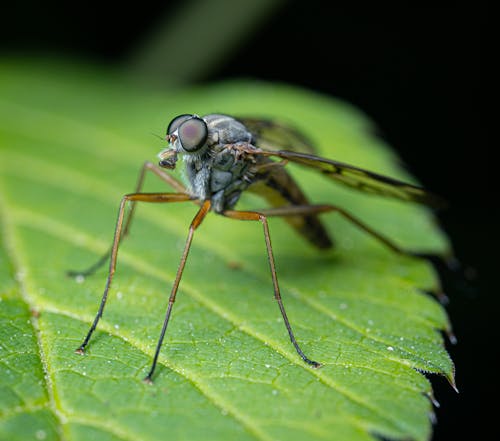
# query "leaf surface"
(72, 142)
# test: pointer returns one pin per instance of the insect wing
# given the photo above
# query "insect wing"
(364, 180)
(274, 135)
(279, 189)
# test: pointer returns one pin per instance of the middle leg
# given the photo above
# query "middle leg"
(255, 216)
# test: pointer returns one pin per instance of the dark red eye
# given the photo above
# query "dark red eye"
(192, 133)
(176, 122)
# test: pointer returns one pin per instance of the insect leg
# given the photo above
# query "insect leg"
(202, 212)
(440, 262)
(165, 177)
(147, 166)
(133, 197)
(293, 210)
(252, 215)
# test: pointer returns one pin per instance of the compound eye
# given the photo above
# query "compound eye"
(176, 122)
(192, 133)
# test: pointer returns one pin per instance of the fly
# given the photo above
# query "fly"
(225, 156)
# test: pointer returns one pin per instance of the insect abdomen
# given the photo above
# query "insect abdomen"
(279, 189)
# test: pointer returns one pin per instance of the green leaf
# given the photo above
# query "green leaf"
(72, 141)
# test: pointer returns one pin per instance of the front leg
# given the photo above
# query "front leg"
(134, 197)
(165, 177)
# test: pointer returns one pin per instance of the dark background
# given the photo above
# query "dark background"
(418, 72)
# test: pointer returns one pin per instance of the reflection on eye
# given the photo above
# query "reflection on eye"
(176, 122)
(192, 133)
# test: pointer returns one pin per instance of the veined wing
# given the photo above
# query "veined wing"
(364, 180)
(273, 183)
(271, 134)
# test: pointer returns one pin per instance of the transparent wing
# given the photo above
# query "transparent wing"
(272, 135)
(364, 180)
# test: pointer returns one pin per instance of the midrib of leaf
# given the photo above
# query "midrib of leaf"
(11, 244)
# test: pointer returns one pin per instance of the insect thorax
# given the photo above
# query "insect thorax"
(220, 174)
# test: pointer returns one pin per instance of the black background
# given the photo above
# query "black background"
(418, 72)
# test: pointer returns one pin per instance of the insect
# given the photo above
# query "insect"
(225, 156)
